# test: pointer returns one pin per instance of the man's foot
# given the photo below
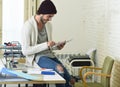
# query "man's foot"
(72, 81)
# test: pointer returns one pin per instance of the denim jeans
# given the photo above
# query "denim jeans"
(51, 63)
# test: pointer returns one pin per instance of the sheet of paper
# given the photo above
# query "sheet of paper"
(20, 74)
(37, 70)
(68, 40)
(33, 71)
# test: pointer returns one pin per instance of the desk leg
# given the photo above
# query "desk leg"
(4, 85)
(26, 85)
(18, 85)
(47, 85)
(40, 85)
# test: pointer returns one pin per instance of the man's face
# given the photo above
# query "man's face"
(46, 17)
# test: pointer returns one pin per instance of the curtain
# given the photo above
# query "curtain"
(30, 8)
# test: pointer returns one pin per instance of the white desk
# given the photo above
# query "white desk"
(47, 79)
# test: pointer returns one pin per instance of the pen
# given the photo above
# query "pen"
(69, 40)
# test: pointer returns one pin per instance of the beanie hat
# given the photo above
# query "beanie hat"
(47, 7)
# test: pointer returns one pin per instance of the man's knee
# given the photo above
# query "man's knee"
(60, 68)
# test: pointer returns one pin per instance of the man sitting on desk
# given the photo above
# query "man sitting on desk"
(37, 41)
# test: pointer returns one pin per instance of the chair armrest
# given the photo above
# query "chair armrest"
(97, 74)
(91, 67)
(90, 73)
(87, 67)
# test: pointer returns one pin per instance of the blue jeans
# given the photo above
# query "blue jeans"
(51, 63)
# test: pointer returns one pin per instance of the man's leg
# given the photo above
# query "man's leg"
(46, 62)
(55, 64)
(67, 76)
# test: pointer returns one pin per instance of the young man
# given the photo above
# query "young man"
(37, 41)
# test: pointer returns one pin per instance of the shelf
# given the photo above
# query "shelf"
(11, 47)
(12, 52)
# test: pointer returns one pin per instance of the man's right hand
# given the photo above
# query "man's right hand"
(51, 43)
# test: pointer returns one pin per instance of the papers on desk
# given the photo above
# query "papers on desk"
(42, 72)
(32, 74)
(20, 74)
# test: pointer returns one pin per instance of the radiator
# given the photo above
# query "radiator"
(64, 58)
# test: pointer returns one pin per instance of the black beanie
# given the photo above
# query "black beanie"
(47, 7)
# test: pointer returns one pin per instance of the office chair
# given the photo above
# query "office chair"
(115, 74)
(105, 75)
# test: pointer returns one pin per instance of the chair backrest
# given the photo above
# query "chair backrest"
(115, 74)
(107, 68)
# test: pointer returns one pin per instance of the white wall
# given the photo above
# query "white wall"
(102, 26)
(69, 23)
(91, 24)
(13, 18)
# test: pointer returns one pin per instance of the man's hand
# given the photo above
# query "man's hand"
(51, 43)
(61, 45)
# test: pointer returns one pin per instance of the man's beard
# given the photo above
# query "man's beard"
(42, 20)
